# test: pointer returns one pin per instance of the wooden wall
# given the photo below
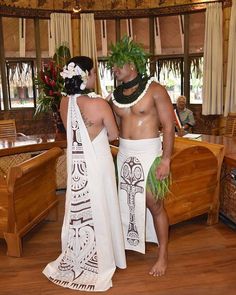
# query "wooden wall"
(27, 123)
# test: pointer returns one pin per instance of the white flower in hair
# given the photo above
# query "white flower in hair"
(72, 70)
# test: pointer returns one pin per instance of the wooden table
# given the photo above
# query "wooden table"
(228, 142)
(31, 143)
(14, 150)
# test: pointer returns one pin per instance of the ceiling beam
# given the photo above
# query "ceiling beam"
(13, 11)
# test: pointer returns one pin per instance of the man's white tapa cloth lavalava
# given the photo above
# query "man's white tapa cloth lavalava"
(134, 160)
(92, 239)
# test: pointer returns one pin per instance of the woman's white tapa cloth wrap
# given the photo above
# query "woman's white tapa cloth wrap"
(134, 160)
(92, 239)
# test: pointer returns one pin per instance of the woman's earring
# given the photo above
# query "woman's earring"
(82, 86)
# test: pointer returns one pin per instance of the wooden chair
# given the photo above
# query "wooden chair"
(28, 195)
(228, 127)
(8, 129)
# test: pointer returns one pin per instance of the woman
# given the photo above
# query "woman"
(92, 240)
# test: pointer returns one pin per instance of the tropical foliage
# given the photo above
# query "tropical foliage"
(49, 82)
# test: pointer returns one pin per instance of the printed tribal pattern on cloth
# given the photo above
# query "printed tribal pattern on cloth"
(132, 174)
(79, 266)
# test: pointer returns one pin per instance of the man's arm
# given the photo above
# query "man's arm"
(165, 113)
(109, 121)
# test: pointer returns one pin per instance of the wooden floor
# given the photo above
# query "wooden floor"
(202, 261)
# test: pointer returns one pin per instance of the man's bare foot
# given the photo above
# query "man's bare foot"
(159, 268)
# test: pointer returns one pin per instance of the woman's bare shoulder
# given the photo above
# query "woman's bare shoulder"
(100, 102)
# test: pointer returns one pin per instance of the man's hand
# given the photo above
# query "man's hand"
(163, 170)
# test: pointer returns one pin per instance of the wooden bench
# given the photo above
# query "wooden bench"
(27, 195)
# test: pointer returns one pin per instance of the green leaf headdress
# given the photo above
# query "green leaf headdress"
(127, 51)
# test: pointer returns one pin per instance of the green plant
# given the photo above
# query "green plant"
(62, 55)
(50, 85)
(49, 82)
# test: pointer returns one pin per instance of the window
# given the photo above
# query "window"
(170, 74)
(196, 80)
(107, 78)
(20, 75)
(167, 46)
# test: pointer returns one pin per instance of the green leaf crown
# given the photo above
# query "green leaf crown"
(126, 51)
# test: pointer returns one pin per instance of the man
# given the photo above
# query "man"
(185, 115)
(142, 105)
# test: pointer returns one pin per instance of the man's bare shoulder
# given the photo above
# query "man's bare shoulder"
(156, 85)
(158, 90)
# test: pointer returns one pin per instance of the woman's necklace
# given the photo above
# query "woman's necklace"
(123, 99)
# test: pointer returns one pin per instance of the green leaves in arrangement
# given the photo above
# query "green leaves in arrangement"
(127, 51)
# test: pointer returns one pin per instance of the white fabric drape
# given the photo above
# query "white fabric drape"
(230, 95)
(88, 45)
(60, 32)
(213, 61)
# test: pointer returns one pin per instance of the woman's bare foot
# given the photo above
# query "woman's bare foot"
(159, 268)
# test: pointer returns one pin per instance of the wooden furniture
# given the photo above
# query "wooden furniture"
(195, 172)
(7, 128)
(229, 126)
(28, 194)
(15, 150)
(228, 189)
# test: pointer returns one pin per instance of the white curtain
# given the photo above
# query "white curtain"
(213, 61)
(88, 45)
(230, 95)
(60, 32)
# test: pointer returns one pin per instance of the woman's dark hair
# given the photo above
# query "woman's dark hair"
(72, 85)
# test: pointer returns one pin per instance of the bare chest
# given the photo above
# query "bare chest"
(141, 108)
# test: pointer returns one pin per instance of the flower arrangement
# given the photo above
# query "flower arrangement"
(50, 83)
